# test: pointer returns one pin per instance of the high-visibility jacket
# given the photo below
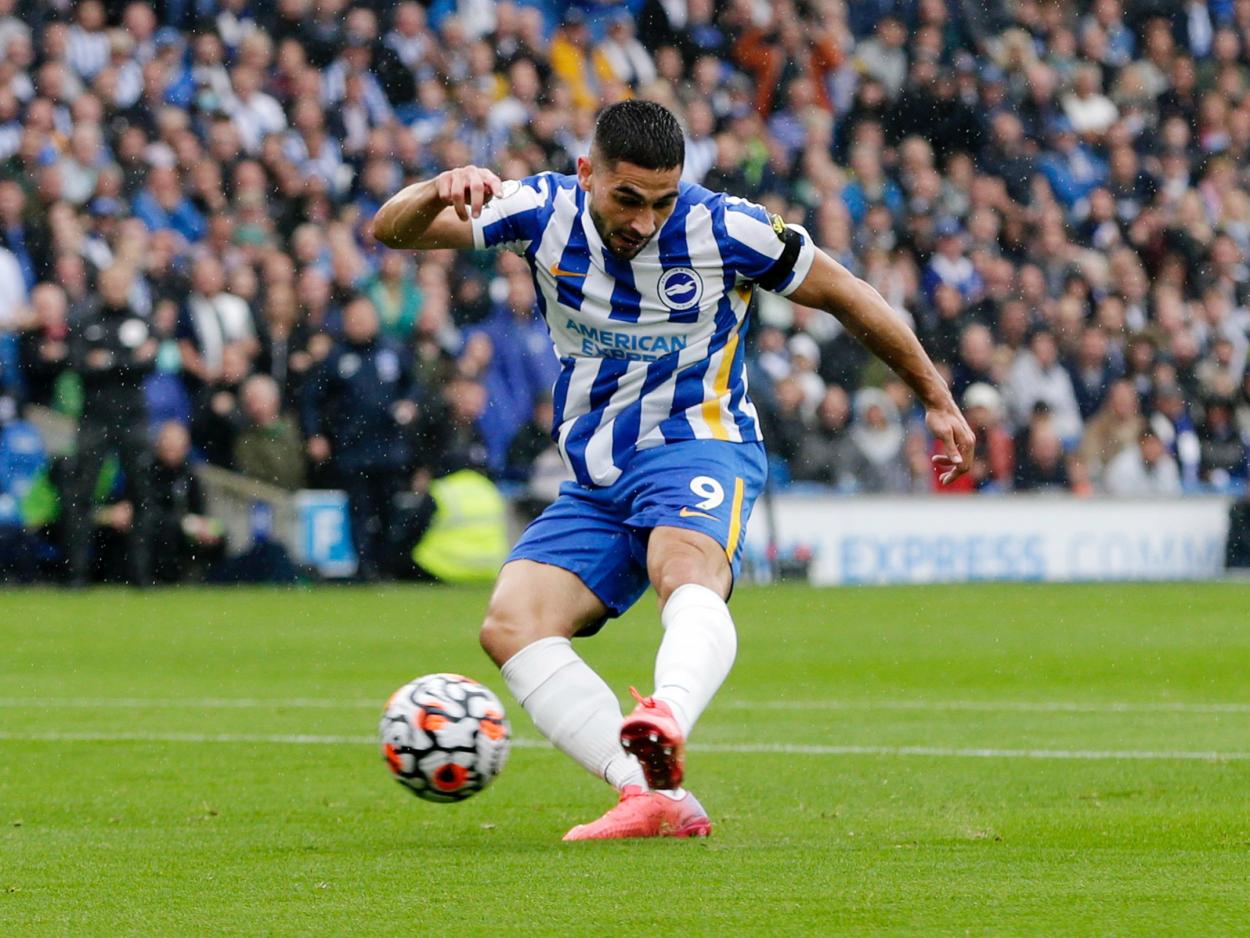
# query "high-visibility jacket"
(467, 540)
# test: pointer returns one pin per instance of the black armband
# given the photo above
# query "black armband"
(784, 265)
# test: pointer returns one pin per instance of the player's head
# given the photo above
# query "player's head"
(632, 173)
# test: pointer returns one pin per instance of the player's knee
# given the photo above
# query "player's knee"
(496, 636)
(504, 632)
(691, 565)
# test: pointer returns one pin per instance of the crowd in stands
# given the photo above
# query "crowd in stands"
(1056, 195)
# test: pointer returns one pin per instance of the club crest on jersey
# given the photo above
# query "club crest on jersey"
(681, 288)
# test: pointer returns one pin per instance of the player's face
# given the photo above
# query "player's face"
(628, 204)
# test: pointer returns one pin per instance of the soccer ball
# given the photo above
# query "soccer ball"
(444, 737)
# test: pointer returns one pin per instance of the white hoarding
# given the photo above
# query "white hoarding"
(948, 539)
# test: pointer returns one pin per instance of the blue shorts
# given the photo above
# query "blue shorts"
(600, 534)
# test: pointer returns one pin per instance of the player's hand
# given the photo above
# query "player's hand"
(467, 189)
(947, 424)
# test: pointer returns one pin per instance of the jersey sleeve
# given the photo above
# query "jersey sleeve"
(514, 218)
(762, 248)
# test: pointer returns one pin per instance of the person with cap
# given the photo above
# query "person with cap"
(993, 455)
(1071, 168)
(950, 265)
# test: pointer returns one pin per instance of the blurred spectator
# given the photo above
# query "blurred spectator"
(268, 448)
(531, 441)
(1116, 426)
(214, 320)
(216, 416)
(182, 531)
(1072, 169)
(1224, 452)
(804, 365)
(112, 349)
(1143, 469)
(395, 295)
(825, 452)
(1036, 375)
(26, 240)
(448, 434)
(884, 57)
(949, 267)
(12, 291)
(993, 457)
(1091, 371)
(621, 57)
(43, 349)
(162, 205)
(1040, 462)
(1173, 424)
(518, 364)
(785, 428)
(878, 461)
(355, 407)
(975, 362)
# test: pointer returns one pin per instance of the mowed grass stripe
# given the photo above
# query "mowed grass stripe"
(788, 749)
(970, 706)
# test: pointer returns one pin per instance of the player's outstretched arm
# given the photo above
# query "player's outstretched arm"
(435, 213)
(868, 317)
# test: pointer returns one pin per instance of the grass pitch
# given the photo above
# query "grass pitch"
(988, 760)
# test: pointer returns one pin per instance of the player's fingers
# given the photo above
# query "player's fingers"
(951, 447)
(477, 194)
(494, 185)
(457, 195)
(967, 443)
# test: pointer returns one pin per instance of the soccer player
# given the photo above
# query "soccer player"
(645, 283)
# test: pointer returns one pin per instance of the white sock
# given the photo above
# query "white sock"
(573, 707)
(696, 653)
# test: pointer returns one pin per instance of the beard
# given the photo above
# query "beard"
(618, 241)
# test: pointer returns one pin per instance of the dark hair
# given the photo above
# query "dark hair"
(640, 132)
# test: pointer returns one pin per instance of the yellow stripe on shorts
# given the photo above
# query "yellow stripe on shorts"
(735, 520)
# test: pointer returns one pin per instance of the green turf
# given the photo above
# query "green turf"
(116, 836)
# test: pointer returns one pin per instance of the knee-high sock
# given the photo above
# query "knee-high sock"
(573, 707)
(696, 653)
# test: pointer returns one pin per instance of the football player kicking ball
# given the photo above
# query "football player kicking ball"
(645, 283)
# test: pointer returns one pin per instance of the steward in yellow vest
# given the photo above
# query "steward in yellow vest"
(466, 540)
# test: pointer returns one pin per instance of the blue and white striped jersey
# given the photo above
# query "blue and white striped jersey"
(650, 349)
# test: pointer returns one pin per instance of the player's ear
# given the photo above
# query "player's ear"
(584, 172)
